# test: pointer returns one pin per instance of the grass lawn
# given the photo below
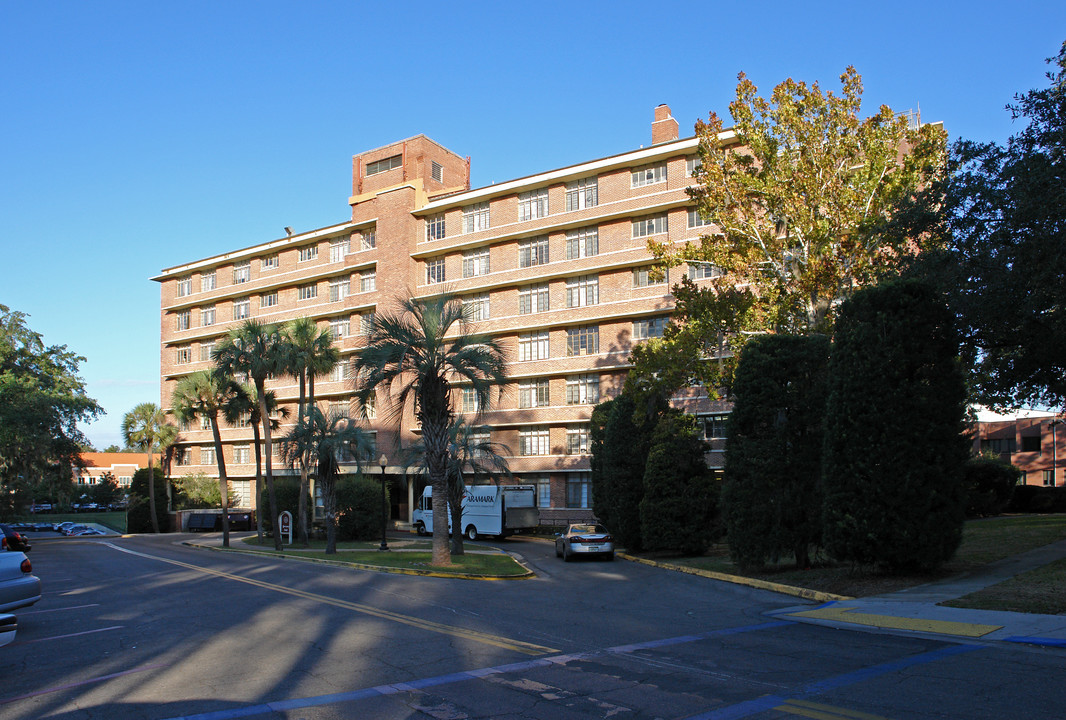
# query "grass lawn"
(984, 541)
(1037, 591)
(114, 520)
(403, 554)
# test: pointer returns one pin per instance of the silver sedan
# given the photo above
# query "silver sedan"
(584, 539)
(19, 587)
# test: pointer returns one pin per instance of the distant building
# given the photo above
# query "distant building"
(120, 465)
(1031, 440)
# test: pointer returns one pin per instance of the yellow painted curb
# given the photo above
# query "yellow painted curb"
(940, 627)
(804, 593)
(374, 568)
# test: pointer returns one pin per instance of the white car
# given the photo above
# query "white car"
(584, 539)
(19, 587)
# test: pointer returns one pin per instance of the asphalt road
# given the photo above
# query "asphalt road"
(146, 628)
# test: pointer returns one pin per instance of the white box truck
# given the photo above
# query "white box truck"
(499, 510)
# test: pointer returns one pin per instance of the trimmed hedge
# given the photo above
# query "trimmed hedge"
(989, 485)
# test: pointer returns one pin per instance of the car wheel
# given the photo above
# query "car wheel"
(566, 554)
(558, 552)
(420, 529)
(471, 533)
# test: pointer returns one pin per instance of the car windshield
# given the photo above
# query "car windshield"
(598, 529)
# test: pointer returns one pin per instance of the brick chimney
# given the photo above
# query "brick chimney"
(664, 128)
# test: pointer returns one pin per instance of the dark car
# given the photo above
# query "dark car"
(12, 540)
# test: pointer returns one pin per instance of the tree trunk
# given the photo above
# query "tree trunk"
(223, 481)
(329, 498)
(455, 502)
(260, 388)
(151, 491)
(305, 460)
(258, 483)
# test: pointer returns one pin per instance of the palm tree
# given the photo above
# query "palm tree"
(246, 401)
(256, 350)
(469, 455)
(327, 441)
(205, 394)
(146, 427)
(416, 354)
(310, 353)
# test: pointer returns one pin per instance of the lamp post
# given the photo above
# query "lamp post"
(383, 461)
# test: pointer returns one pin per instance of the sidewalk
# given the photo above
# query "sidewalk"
(916, 609)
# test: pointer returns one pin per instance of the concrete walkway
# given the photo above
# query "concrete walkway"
(916, 609)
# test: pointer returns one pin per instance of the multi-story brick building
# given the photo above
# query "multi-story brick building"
(120, 465)
(555, 265)
(1032, 441)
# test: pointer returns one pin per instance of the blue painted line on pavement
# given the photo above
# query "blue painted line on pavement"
(421, 684)
(1031, 640)
(768, 702)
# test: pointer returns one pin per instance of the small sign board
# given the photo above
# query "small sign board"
(285, 525)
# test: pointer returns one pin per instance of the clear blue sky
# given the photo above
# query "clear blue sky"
(141, 135)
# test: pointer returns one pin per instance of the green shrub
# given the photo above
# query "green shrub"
(138, 515)
(359, 508)
(287, 492)
(680, 498)
(895, 446)
(989, 484)
(1032, 499)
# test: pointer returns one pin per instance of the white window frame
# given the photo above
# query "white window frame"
(207, 316)
(651, 174)
(583, 389)
(307, 253)
(242, 272)
(340, 327)
(183, 355)
(533, 345)
(534, 393)
(533, 205)
(307, 292)
(533, 251)
(435, 270)
(476, 307)
(207, 348)
(338, 249)
(242, 454)
(582, 340)
(476, 262)
(271, 262)
(207, 456)
(476, 217)
(182, 320)
(368, 280)
(692, 164)
(584, 242)
(704, 271)
(339, 288)
(649, 327)
(582, 291)
(579, 490)
(651, 225)
(365, 321)
(184, 286)
(368, 239)
(583, 193)
(268, 300)
(577, 439)
(208, 281)
(469, 400)
(242, 308)
(642, 277)
(534, 441)
(533, 299)
(339, 372)
(695, 220)
(436, 228)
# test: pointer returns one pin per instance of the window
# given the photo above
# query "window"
(366, 322)
(583, 290)
(1048, 478)
(1030, 443)
(339, 289)
(207, 315)
(370, 407)
(244, 420)
(435, 227)
(268, 300)
(998, 445)
(368, 280)
(471, 404)
(476, 217)
(183, 456)
(695, 220)
(582, 243)
(533, 252)
(182, 320)
(380, 166)
(435, 271)
(205, 422)
(654, 225)
(476, 307)
(649, 175)
(533, 345)
(476, 262)
(533, 299)
(577, 440)
(339, 327)
(309, 252)
(643, 277)
(337, 410)
(271, 262)
(307, 292)
(339, 373)
(207, 349)
(241, 454)
(691, 165)
(714, 426)
(579, 490)
(207, 456)
(544, 491)
(582, 389)
(337, 250)
(584, 340)
(533, 393)
(242, 309)
(582, 194)
(533, 441)
(208, 281)
(533, 205)
(242, 272)
(649, 328)
(436, 171)
(370, 237)
(184, 286)
(183, 355)
(704, 271)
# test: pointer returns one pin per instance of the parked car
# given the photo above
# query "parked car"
(41, 508)
(8, 625)
(19, 587)
(11, 540)
(584, 539)
(63, 526)
(82, 531)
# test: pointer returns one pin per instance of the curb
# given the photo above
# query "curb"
(372, 568)
(804, 593)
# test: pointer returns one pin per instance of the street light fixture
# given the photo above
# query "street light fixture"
(383, 461)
